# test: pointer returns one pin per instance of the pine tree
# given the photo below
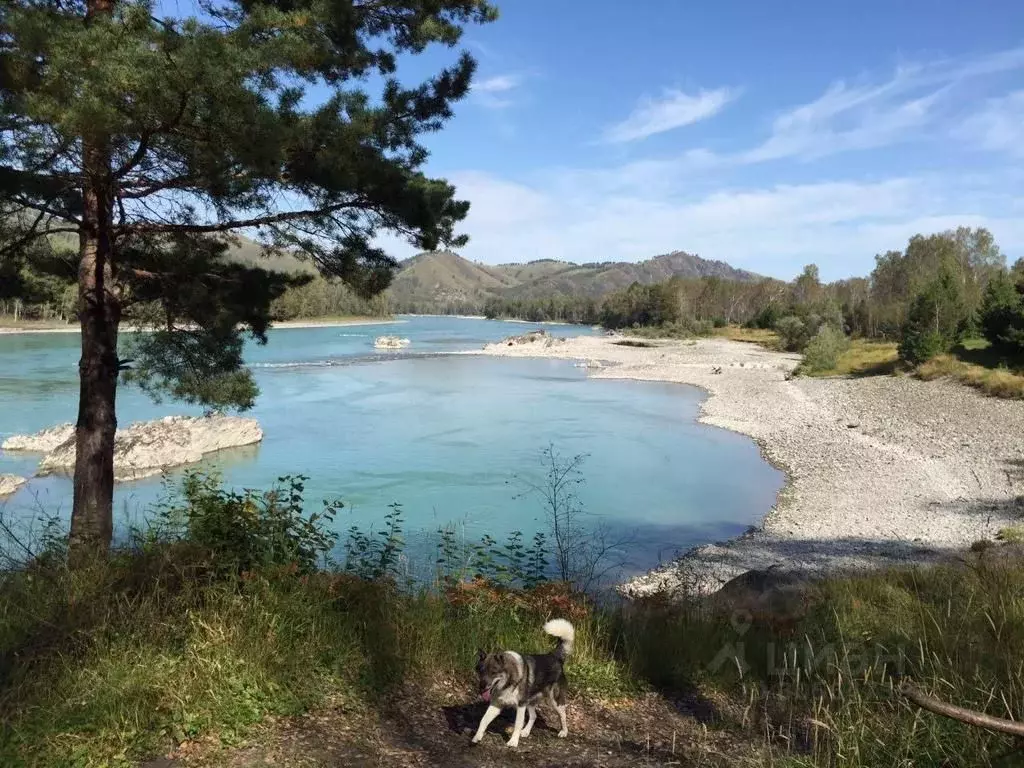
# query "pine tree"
(936, 319)
(1002, 313)
(152, 139)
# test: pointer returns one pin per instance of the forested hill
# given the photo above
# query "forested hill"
(431, 283)
(446, 282)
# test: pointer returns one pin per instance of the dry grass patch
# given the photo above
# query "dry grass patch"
(997, 382)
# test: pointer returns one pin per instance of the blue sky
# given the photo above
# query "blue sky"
(764, 134)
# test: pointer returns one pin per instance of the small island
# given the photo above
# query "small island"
(145, 448)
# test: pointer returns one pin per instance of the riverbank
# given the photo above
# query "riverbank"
(881, 471)
(326, 322)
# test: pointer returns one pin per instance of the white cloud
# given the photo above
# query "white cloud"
(494, 92)
(998, 126)
(774, 230)
(498, 84)
(674, 109)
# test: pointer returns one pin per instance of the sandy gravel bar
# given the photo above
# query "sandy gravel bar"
(881, 470)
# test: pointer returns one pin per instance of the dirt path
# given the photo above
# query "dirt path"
(434, 729)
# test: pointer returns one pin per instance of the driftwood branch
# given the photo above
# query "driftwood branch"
(968, 716)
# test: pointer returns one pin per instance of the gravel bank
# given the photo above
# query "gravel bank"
(881, 470)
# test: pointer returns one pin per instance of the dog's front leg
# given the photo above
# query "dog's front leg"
(520, 717)
(491, 713)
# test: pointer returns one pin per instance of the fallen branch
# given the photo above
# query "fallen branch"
(968, 716)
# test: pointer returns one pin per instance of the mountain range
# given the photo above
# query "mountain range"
(442, 281)
(445, 279)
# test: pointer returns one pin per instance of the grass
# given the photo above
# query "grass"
(766, 338)
(114, 663)
(972, 363)
(864, 358)
(976, 364)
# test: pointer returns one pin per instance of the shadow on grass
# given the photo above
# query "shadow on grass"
(883, 368)
(989, 357)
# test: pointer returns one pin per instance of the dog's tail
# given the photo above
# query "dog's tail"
(563, 630)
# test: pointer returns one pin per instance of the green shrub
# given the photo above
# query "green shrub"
(248, 530)
(767, 318)
(792, 332)
(824, 349)
(919, 345)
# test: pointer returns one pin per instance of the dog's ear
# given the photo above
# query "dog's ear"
(481, 654)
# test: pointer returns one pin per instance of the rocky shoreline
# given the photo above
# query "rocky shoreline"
(881, 471)
(145, 448)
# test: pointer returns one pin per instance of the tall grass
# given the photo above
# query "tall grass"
(160, 643)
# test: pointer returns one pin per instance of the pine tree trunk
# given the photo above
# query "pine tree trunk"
(92, 512)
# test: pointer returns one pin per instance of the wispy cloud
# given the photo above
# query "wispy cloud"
(849, 117)
(495, 92)
(998, 126)
(674, 109)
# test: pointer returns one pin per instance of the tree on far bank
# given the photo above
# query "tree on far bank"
(935, 320)
(151, 139)
(1002, 313)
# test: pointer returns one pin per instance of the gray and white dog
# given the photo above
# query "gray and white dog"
(511, 679)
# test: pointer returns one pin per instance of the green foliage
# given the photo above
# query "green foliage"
(1002, 313)
(172, 641)
(107, 665)
(642, 305)
(823, 351)
(377, 555)
(793, 333)
(325, 298)
(249, 530)
(767, 318)
(936, 319)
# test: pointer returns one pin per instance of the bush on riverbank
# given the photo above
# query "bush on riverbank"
(824, 349)
(162, 643)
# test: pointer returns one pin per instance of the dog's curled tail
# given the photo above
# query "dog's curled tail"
(563, 630)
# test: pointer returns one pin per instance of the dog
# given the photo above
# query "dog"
(511, 679)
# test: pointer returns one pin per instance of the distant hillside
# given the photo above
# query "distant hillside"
(445, 282)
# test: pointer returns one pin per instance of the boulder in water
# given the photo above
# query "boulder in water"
(390, 342)
(527, 338)
(10, 483)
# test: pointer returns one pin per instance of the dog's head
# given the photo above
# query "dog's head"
(492, 670)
